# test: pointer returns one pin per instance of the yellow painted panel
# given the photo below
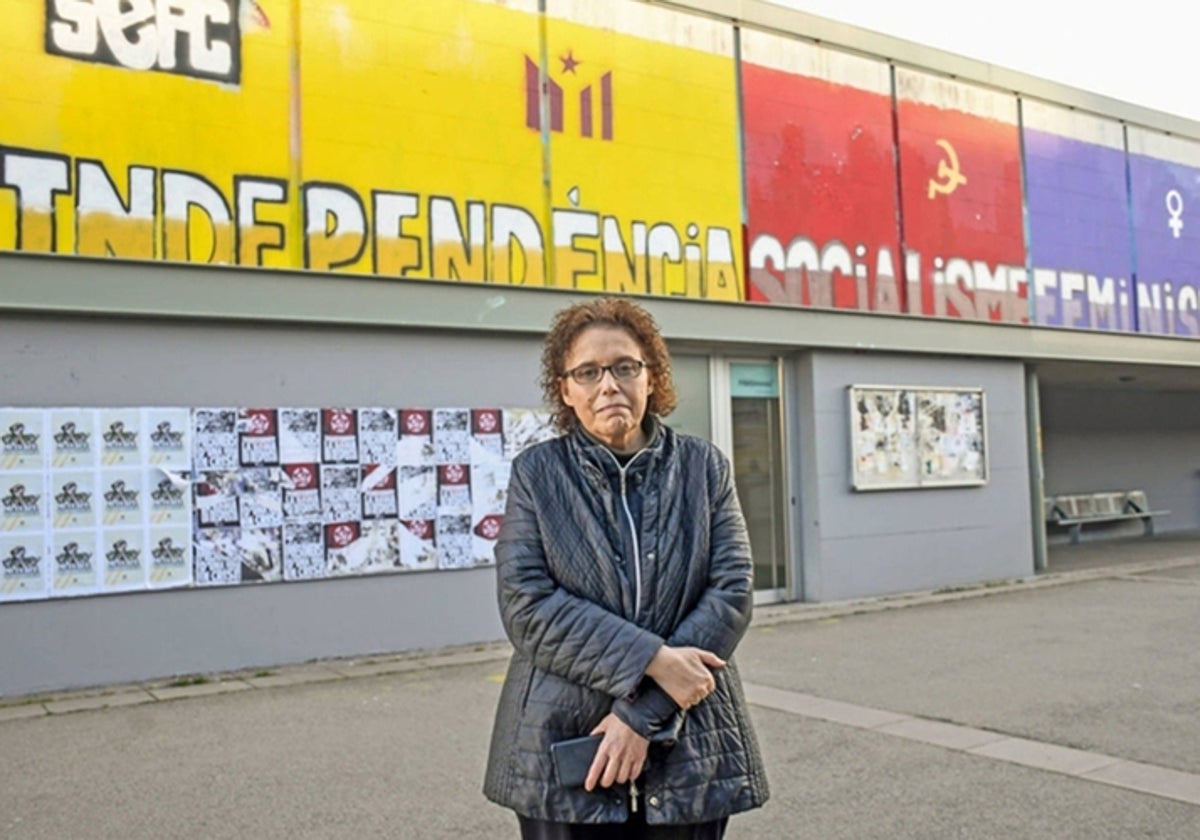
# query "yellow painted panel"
(401, 139)
(126, 133)
(416, 153)
(644, 163)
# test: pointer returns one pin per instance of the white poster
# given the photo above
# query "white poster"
(168, 434)
(73, 439)
(951, 434)
(23, 441)
(884, 438)
(523, 427)
(378, 436)
(303, 550)
(75, 564)
(416, 438)
(170, 560)
(124, 559)
(23, 502)
(418, 545)
(452, 435)
(22, 566)
(215, 444)
(121, 437)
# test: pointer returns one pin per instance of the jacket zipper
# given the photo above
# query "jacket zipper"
(637, 581)
(637, 552)
(637, 577)
(633, 529)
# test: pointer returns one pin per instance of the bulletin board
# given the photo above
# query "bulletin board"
(905, 437)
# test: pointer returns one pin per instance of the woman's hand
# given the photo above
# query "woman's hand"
(685, 673)
(621, 756)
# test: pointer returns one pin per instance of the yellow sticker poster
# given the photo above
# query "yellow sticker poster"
(641, 116)
(416, 158)
(147, 130)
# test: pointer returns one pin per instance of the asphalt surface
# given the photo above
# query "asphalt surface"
(1101, 659)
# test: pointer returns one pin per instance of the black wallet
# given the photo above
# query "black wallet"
(573, 758)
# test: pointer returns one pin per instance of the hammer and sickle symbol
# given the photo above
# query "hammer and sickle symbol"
(948, 171)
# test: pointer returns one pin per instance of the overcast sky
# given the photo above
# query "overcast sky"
(1143, 52)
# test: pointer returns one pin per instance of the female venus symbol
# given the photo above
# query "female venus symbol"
(1175, 208)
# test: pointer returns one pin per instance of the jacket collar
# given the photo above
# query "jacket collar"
(591, 452)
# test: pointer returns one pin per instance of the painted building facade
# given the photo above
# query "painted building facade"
(289, 229)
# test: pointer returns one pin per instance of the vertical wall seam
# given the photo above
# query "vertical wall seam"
(550, 255)
(902, 257)
(743, 196)
(1026, 225)
(1134, 280)
(295, 147)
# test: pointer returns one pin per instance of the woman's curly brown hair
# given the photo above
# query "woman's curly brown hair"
(605, 312)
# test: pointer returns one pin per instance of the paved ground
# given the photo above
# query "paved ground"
(1063, 707)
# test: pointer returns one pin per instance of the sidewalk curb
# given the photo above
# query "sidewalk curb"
(181, 688)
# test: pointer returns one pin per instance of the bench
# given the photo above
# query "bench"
(1075, 511)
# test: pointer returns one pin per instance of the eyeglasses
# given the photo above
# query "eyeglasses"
(590, 374)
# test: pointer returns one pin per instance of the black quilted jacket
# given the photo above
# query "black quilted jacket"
(584, 628)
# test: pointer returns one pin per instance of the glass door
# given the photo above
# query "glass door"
(758, 452)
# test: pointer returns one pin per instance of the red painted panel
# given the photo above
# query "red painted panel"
(963, 233)
(821, 193)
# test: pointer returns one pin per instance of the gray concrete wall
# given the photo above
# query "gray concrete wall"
(105, 639)
(77, 642)
(114, 638)
(878, 542)
(1097, 439)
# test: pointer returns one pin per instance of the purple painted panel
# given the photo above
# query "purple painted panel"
(1078, 233)
(1166, 216)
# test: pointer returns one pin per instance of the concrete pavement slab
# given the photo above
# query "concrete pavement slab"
(25, 710)
(795, 703)
(940, 734)
(1043, 756)
(176, 692)
(395, 665)
(294, 676)
(1160, 781)
(1182, 573)
(370, 668)
(99, 701)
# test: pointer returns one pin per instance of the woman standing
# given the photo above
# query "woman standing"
(624, 582)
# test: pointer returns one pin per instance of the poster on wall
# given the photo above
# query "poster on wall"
(1164, 176)
(960, 188)
(24, 506)
(820, 176)
(884, 435)
(23, 566)
(311, 493)
(102, 495)
(907, 437)
(96, 501)
(950, 437)
(1078, 219)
